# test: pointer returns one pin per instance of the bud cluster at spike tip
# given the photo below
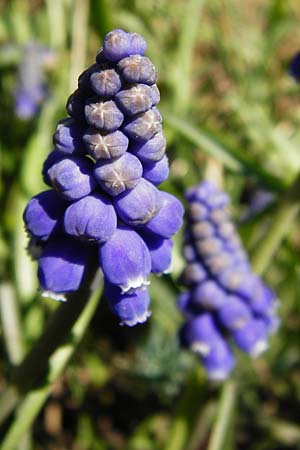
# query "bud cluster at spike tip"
(225, 302)
(108, 158)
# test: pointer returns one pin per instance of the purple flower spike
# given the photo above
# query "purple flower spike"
(152, 150)
(219, 362)
(62, 266)
(169, 219)
(72, 178)
(119, 175)
(112, 137)
(125, 259)
(199, 334)
(105, 81)
(43, 213)
(131, 308)
(242, 306)
(135, 99)
(91, 219)
(157, 172)
(144, 126)
(161, 253)
(105, 145)
(252, 337)
(138, 69)
(234, 314)
(103, 115)
(68, 137)
(139, 205)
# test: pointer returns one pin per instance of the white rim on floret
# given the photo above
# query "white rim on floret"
(137, 319)
(218, 375)
(58, 297)
(133, 284)
(259, 348)
(200, 347)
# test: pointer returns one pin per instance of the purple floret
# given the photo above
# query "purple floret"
(119, 175)
(62, 266)
(91, 219)
(130, 308)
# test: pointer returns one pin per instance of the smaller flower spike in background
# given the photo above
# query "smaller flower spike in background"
(226, 302)
(104, 171)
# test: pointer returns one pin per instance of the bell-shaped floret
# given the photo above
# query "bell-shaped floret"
(43, 214)
(234, 314)
(62, 266)
(143, 126)
(219, 362)
(252, 337)
(91, 219)
(194, 273)
(105, 145)
(72, 178)
(105, 80)
(125, 259)
(52, 158)
(169, 218)
(135, 99)
(161, 253)
(130, 308)
(103, 115)
(68, 137)
(138, 206)
(209, 295)
(200, 333)
(138, 69)
(152, 150)
(76, 104)
(119, 175)
(156, 172)
(118, 45)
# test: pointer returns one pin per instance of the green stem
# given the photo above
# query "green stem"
(73, 326)
(185, 413)
(225, 408)
(226, 405)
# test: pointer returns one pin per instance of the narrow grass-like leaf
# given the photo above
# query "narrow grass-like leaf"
(182, 70)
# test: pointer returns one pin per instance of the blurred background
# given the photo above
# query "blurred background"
(231, 112)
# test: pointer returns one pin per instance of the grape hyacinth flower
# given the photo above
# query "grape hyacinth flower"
(104, 171)
(225, 302)
(30, 90)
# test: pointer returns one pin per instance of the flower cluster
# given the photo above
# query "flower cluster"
(109, 156)
(225, 302)
(30, 88)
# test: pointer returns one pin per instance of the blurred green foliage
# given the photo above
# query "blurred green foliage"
(231, 111)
